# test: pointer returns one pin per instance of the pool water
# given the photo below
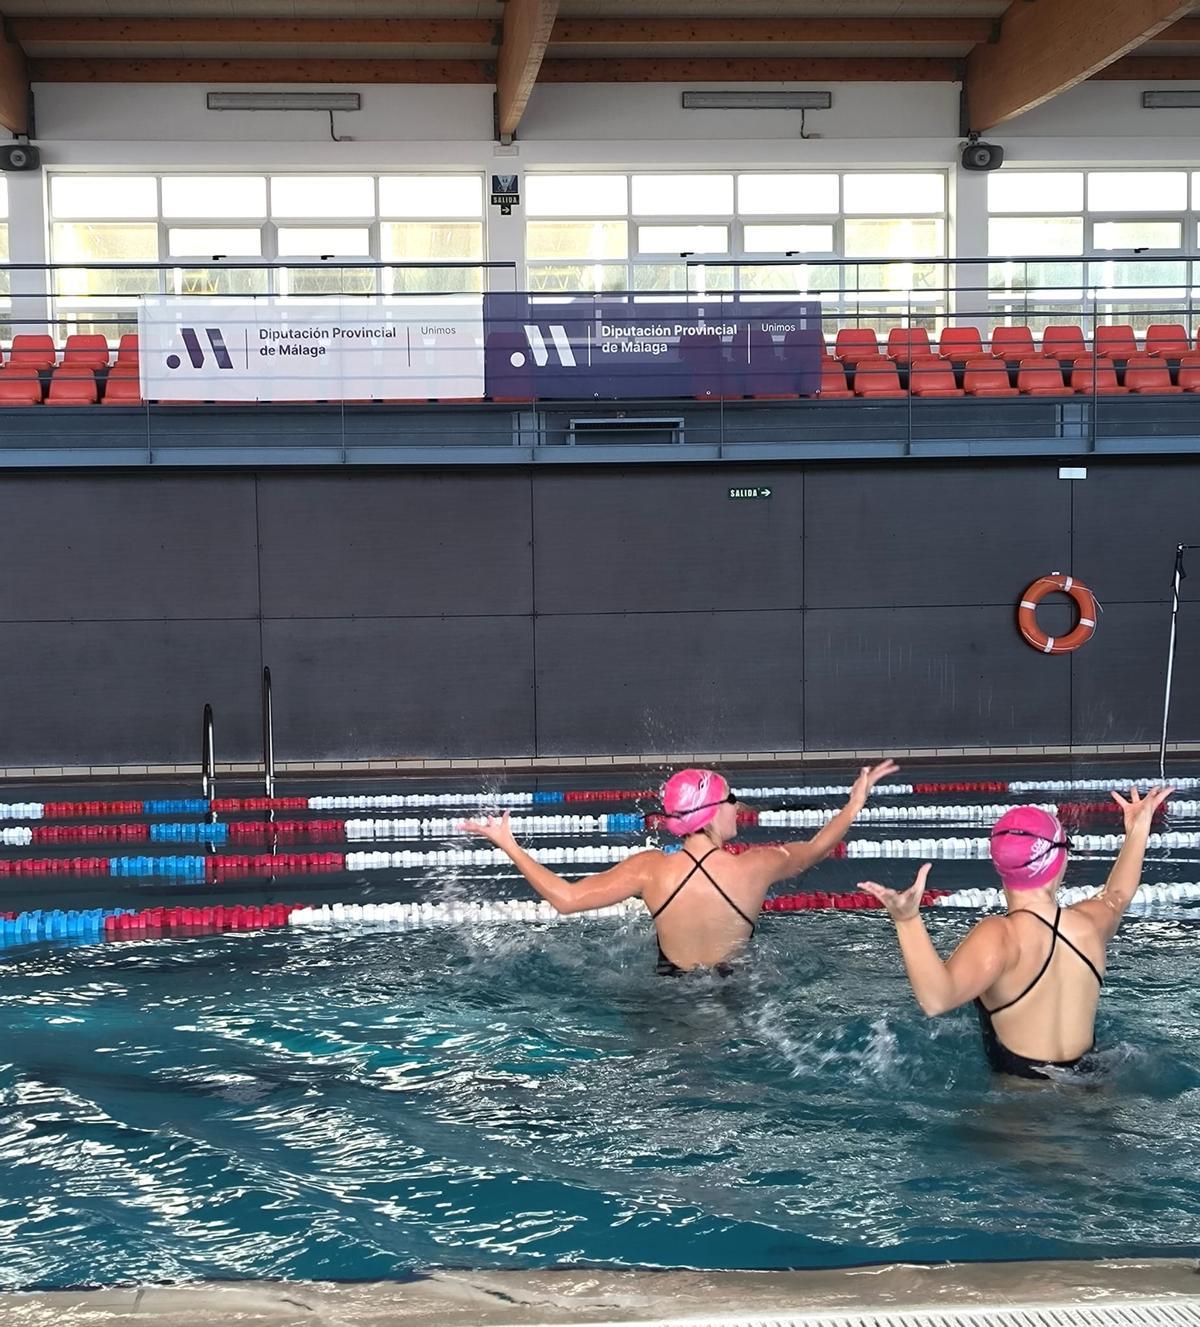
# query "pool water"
(370, 1104)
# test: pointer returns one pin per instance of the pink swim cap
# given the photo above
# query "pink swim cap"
(1029, 847)
(692, 798)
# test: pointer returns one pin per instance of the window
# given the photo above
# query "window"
(210, 222)
(766, 233)
(1121, 228)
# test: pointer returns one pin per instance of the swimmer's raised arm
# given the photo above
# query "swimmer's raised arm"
(790, 859)
(1108, 907)
(943, 984)
(625, 880)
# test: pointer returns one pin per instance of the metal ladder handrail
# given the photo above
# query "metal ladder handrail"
(208, 761)
(268, 736)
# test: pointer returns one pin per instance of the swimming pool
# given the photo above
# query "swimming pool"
(366, 1102)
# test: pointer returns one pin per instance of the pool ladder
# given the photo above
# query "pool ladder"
(208, 760)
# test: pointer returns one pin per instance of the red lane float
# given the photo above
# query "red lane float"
(962, 786)
(849, 902)
(260, 804)
(90, 810)
(56, 866)
(1074, 813)
(155, 923)
(91, 834)
(288, 831)
(234, 866)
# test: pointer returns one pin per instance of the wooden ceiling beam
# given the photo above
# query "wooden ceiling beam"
(751, 70)
(260, 71)
(526, 34)
(14, 88)
(732, 31)
(1046, 48)
(249, 31)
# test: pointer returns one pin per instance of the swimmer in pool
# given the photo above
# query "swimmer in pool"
(704, 903)
(1034, 975)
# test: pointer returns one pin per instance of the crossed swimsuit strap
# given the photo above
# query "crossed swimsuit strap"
(1057, 936)
(698, 865)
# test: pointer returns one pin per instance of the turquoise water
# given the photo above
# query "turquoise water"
(370, 1105)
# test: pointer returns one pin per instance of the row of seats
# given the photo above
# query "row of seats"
(70, 384)
(933, 377)
(1065, 342)
(37, 351)
(957, 344)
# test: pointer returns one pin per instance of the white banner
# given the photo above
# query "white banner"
(410, 349)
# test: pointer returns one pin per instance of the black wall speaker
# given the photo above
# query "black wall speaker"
(19, 156)
(982, 156)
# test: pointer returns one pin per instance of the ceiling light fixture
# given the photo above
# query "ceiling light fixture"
(284, 101)
(757, 101)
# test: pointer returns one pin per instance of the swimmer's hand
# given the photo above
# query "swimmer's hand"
(868, 777)
(904, 904)
(496, 829)
(1139, 811)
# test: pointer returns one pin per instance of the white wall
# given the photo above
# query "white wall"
(152, 126)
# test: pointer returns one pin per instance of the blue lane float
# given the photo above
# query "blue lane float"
(56, 924)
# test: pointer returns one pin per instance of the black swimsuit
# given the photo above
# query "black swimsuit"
(1003, 1060)
(665, 967)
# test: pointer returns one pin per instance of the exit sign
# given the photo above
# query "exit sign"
(749, 493)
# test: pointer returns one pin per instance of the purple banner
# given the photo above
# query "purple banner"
(584, 348)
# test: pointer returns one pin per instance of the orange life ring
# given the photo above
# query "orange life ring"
(1085, 604)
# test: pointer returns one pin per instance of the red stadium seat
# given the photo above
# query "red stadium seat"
(931, 376)
(1117, 341)
(1065, 342)
(855, 343)
(122, 389)
(833, 381)
(1012, 343)
(905, 344)
(86, 352)
(1094, 375)
(1189, 371)
(128, 353)
(20, 387)
(877, 377)
(1167, 339)
(72, 385)
(959, 344)
(987, 376)
(32, 351)
(1147, 374)
(1041, 376)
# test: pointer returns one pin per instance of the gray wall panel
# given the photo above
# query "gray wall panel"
(642, 682)
(1127, 520)
(1119, 676)
(401, 688)
(395, 544)
(127, 546)
(82, 693)
(915, 535)
(887, 678)
(668, 540)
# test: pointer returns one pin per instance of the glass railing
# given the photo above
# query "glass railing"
(1033, 353)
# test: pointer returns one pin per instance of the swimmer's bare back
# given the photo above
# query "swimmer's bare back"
(703, 916)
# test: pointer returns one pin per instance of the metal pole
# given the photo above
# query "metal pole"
(1179, 575)
(208, 764)
(268, 736)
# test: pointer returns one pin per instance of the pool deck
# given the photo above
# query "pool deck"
(1140, 1288)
